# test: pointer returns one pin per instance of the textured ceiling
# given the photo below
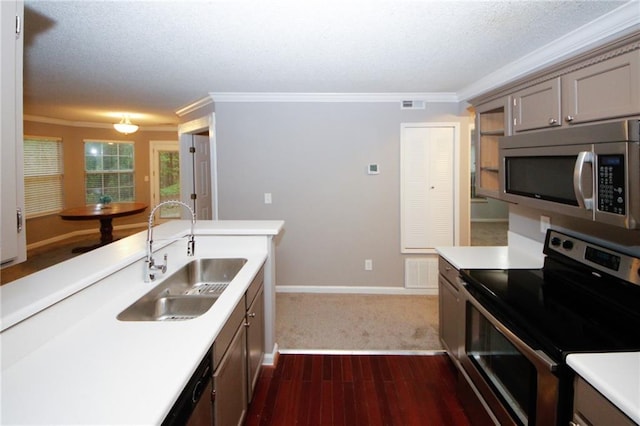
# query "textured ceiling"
(89, 60)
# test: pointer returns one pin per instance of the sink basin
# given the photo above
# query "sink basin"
(185, 294)
(204, 276)
(168, 308)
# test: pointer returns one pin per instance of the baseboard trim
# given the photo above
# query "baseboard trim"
(356, 290)
(271, 359)
(79, 233)
(359, 352)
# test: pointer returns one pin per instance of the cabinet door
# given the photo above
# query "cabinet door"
(13, 237)
(604, 90)
(230, 383)
(590, 407)
(492, 122)
(448, 313)
(537, 107)
(255, 340)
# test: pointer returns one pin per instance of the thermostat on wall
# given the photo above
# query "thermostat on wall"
(373, 169)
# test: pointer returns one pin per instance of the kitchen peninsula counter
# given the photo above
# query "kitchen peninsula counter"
(66, 359)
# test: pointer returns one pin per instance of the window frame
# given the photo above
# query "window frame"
(109, 172)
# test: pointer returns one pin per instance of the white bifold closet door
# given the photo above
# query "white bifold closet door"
(427, 186)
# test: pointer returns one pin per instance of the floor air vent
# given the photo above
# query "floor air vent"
(421, 272)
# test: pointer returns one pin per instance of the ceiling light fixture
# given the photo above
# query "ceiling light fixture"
(125, 126)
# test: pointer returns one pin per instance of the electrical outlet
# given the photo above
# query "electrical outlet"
(267, 198)
(545, 223)
(368, 265)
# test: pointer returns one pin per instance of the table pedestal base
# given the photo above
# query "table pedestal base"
(106, 236)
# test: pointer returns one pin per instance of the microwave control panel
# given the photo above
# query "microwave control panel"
(611, 184)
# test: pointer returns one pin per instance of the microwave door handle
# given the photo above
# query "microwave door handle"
(583, 158)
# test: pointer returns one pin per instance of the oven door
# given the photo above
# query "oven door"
(517, 383)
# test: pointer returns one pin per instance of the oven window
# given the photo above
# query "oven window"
(509, 373)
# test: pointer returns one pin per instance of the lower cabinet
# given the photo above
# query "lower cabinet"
(237, 356)
(590, 407)
(449, 310)
(255, 337)
(230, 383)
(220, 391)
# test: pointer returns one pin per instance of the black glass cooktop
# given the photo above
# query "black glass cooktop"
(561, 309)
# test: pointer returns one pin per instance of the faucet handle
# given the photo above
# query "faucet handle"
(191, 246)
(163, 267)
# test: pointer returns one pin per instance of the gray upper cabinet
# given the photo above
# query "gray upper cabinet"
(606, 89)
(537, 107)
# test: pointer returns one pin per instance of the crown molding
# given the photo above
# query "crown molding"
(616, 24)
(331, 97)
(194, 106)
(68, 123)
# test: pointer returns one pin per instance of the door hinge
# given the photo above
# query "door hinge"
(18, 25)
(192, 149)
(213, 395)
(194, 196)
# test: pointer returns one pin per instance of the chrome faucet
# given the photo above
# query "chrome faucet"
(150, 264)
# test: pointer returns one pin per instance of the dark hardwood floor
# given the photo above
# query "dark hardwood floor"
(357, 390)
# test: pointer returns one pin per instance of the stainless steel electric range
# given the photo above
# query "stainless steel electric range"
(520, 324)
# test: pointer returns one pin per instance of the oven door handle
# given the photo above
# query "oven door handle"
(578, 171)
(539, 359)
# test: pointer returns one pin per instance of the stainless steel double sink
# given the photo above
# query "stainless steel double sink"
(187, 293)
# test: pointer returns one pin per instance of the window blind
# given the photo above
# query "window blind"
(42, 176)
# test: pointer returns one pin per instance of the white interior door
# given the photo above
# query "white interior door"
(429, 186)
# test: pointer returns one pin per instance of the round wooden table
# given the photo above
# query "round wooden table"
(105, 214)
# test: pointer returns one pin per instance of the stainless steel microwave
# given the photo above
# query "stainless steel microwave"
(591, 172)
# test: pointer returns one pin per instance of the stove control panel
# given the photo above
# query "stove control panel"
(620, 265)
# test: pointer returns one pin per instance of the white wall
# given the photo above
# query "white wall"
(312, 158)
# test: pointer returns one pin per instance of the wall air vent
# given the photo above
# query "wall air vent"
(412, 105)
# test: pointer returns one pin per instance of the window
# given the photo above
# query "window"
(42, 176)
(108, 171)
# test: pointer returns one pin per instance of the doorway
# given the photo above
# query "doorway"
(198, 166)
(165, 178)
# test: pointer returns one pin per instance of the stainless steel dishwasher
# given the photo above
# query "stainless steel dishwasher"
(194, 405)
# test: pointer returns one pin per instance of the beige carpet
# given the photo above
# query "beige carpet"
(356, 322)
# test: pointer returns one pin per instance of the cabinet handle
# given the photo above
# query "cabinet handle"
(19, 219)
(569, 118)
(252, 315)
(552, 121)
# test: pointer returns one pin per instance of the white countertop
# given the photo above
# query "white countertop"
(614, 375)
(75, 363)
(521, 252)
